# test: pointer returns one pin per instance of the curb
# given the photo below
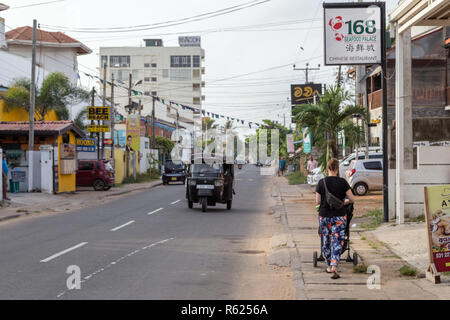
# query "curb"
(296, 268)
(17, 216)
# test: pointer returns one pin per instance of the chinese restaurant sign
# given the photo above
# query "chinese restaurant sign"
(437, 213)
(352, 33)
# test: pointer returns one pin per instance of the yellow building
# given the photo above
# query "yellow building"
(20, 114)
(59, 134)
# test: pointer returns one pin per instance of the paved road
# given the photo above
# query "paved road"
(144, 246)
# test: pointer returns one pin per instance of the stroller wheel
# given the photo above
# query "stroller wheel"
(315, 259)
(355, 258)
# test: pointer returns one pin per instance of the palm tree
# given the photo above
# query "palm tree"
(326, 118)
(55, 94)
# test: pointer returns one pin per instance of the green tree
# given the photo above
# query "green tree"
(55, 94)
(209, 123)
(326, 118)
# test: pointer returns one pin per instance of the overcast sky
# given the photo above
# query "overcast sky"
(262, 95)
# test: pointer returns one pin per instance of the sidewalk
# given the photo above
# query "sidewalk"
(301, 221)
(27, 204)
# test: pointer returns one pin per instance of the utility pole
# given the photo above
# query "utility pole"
(153, 123)
(112, 113)
(307, 69)
(92, 104)
(104, 105)
(32, 108)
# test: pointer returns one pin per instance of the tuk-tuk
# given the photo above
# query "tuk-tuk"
(210, 184)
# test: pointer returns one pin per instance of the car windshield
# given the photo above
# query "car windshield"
(206, 169)
(174, 166)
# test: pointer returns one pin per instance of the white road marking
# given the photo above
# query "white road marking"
(64, 252)
(88, 277)
(122, 226)
(175, 202)
(153, 212)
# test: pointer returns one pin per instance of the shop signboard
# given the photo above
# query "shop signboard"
(95, 128)
(437, 215)
(305, 93)
(353, 33)
(307, 148)
(86, 145)
(290, 143)
(98, 113)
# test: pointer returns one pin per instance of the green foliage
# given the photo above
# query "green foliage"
(296, 178)
(360, 268)
(376, 219)
(326, 118)
(79, 119)
(283, 132)
(163, 143)
(408, 271)
(55, 94)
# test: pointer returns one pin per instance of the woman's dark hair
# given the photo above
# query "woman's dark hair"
(333, 165)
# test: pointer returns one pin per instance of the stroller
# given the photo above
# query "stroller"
(345, 247)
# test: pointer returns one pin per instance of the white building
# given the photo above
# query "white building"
(171, 73)
(55, 51)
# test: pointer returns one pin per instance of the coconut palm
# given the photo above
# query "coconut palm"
(326, 118)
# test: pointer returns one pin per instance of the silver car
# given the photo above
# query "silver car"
(365, 175)
(345, 164)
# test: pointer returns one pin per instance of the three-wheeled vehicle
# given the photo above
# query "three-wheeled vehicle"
(209, 184)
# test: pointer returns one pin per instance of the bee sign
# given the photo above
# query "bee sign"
(98, 113)
(353, 33)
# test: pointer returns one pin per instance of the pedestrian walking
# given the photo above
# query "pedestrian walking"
(282, 167)
(5, 171)
(312, 164)
(333, 194)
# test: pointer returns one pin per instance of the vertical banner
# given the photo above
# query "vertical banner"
(353, 33)
(290, 143)
(437, 214)
(133, 133)
(307, 148)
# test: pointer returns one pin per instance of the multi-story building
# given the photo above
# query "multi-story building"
(170, 73)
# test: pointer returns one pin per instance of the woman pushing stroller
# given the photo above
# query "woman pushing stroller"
(333, 194)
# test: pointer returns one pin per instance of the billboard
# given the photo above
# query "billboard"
(133, 133)
(86, 145)
(353, 33)
(98, 113)
(305, 93)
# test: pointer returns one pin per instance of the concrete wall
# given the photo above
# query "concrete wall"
(120, 162)
(433, 169)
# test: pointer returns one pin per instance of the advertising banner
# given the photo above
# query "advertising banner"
(305, 93)
(133, 133)
(98, 128)
(307, 148)
(437, 214)
(290, 143)
(352, 33)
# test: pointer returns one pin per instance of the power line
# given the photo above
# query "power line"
(36, 4)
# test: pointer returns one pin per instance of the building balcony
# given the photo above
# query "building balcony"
(376, 99)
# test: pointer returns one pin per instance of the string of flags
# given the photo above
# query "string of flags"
(185, 107)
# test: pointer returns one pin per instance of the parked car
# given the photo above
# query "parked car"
(345, 164)
(173, 172)
(365, 175)
(315, 177)
(95, 173)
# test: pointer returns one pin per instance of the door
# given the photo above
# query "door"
(85, 174)
(374, 170)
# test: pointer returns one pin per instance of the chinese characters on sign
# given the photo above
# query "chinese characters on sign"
(352, 34)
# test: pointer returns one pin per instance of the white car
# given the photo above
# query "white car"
(315, 177)
(345, 164)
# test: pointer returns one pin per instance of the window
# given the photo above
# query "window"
(154, 93)
(196, 61)
(119, 61)
(86, 166)
(146, 65)
(154, 79)
(196, 87)
(180, 61)
(147, 79)
(147, 93)
(165, 73)
(180, 75)
(196, 73)
(373, 165)
(154, 65)
(196, 100)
